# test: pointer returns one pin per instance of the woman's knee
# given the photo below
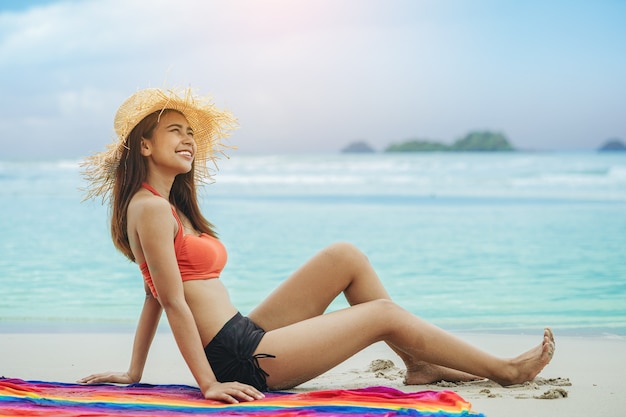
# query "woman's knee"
(346, 251)
(385, 309)
(386, 316)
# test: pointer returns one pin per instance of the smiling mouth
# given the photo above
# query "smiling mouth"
(188, 154)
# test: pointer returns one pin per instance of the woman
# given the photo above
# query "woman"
(164, 141)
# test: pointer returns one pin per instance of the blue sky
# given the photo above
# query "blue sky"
(313, 76)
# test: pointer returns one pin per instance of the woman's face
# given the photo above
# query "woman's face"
(172, 147)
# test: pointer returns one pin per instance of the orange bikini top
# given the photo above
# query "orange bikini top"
(199, 257)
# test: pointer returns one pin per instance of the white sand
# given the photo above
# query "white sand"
(587, 370)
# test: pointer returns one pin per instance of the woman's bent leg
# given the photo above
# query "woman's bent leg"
(339, 268)
(308, 348)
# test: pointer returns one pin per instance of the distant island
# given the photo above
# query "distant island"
(476, 141)
(480, 141)
(358, 147)
(612, 145)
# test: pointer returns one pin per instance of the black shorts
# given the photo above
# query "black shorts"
(231, 353)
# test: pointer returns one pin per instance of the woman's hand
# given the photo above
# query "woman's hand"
(232, 392)
(108, 377)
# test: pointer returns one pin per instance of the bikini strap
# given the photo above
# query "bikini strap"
(150, 188)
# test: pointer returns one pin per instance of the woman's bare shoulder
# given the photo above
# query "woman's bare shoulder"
(145, 206)
(148, 217)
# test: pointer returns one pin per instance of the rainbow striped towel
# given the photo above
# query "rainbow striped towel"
(34, 398)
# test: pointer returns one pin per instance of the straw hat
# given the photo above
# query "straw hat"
(209, 125)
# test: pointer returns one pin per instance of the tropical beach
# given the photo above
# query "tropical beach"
(473, 151)
(490, 247)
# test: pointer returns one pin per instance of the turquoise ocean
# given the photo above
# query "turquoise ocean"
(504, 242)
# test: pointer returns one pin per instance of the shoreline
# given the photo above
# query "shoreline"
(63, 326)
(584, 377)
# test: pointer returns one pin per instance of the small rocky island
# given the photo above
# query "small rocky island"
(477, 141)
(480, 141)
(358, 147)
(613, 145)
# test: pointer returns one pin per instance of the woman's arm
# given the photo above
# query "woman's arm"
(156, 229)
(146, 329)
(144, 335)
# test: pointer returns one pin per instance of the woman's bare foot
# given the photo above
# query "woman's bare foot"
(528, 365)
(423, 373)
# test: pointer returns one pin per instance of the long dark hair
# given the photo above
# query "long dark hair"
(132, 172)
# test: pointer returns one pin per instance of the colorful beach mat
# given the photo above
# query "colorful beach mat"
(35, 398)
